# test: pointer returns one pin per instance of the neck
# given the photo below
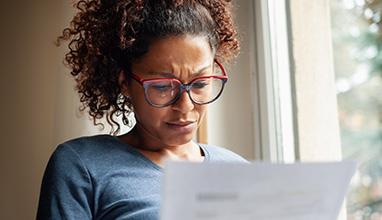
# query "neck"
(157, 151)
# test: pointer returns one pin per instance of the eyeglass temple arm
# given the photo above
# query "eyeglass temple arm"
(221, 67)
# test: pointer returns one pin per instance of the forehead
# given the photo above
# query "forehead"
(177, 52)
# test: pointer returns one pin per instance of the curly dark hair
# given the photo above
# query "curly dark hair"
(105, 36)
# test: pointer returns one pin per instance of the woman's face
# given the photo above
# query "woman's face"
(180, 57)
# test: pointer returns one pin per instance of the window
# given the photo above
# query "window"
(357, 43)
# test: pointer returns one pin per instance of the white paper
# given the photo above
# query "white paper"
(258, 191)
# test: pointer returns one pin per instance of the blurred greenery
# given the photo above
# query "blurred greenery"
(357, 46)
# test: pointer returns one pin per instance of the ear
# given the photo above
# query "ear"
(122, 82)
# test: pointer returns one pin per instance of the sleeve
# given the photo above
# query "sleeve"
(66, 189)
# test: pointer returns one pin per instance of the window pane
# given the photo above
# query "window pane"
(357, 45)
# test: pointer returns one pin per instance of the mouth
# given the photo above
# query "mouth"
(181, 123)
(182, 126)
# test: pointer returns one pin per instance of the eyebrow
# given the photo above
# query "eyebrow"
(171, 75)
(197, 73)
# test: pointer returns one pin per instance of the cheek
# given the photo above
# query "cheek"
(138, 98)
(202, 112)
(147, 114)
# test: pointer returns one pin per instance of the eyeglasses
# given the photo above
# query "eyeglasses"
(162, 92)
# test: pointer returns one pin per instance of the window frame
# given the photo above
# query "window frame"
(274, 127)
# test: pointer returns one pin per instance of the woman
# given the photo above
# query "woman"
(158, 59)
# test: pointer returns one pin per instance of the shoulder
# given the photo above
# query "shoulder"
(77, 151)
(216, 153)
(94, 153)
(69, 177)
(90, 143)
(92, 147)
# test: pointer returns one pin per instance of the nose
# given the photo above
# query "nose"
(184, 104)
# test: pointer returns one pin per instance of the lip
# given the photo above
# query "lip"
(182, 126)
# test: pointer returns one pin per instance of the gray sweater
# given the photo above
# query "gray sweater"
(100, 177)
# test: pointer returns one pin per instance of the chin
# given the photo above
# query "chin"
(179, 140)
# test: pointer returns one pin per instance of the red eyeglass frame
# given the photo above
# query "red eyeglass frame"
(183, 87)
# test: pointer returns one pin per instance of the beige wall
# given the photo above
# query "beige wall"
(316, 101)
(230, 119)
(39, 109)
(32, 103)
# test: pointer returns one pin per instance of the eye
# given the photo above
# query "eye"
(200, 84)
(162, 87)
